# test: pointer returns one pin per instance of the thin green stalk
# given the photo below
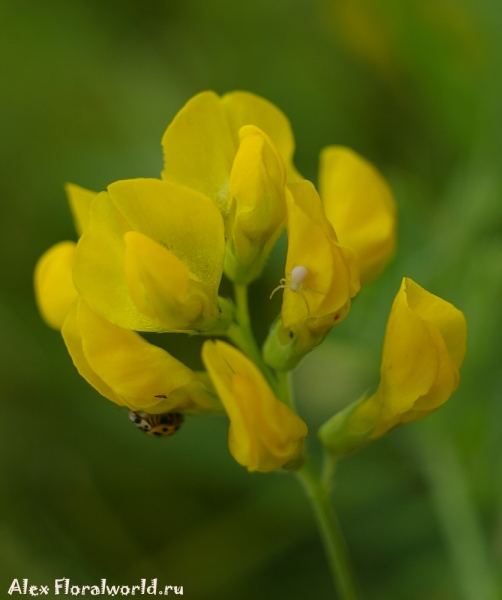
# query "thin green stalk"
(285, 389)
(328, 471)
(241, 301)
(241, 334)
(317, 490)
(329, 529)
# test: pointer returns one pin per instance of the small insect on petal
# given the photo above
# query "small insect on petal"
(157, 425)
(298, 275)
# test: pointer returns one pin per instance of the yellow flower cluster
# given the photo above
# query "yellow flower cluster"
(151, 254)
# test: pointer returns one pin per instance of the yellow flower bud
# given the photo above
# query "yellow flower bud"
(264, 434)
(361, 207)
(257, 186)
(424, 347)
(126, 369)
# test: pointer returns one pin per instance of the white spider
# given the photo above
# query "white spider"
(298, 276)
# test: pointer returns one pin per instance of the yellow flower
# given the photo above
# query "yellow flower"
(257, 185)
(118, 363)
(425, 345)
(237, 150)
(264, 434)
(321, 278)
(330, 277)
(54, 289)
(151, 258)
(129, 371)
(360, 206)
(202, 141)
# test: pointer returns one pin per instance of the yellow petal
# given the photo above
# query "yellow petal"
(257, 184)
(72, 337)
(264, 433)
(410, 360)
(126, 369)
(99, 273)
(54, 289)
(332, 272)
(161, 286)
(80, 204)
(449, 321)
(361, 207)
(182, 220)
(199, 149)
(244, 108)
(447, 376)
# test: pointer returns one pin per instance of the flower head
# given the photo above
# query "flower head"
(151, 258)
(264, 434)
(202, 141)
(424, 347)
(321, 278)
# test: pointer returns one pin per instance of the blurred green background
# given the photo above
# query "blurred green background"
(87, 89)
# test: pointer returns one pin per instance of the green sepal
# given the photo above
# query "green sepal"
(244, 266)
(349, 429)
(223, 321)
(284, 348)
(295, 464)
(242, 272)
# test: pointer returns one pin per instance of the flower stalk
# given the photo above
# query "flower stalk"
(329, 530)
(316, 487)
(241, 333)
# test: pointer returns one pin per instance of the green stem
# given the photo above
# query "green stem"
(241, 334)
(318, 490)
(329, 529)
(328, 471)
(241, 301)
(285, 389)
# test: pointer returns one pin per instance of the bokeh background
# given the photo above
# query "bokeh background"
(87, 89)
